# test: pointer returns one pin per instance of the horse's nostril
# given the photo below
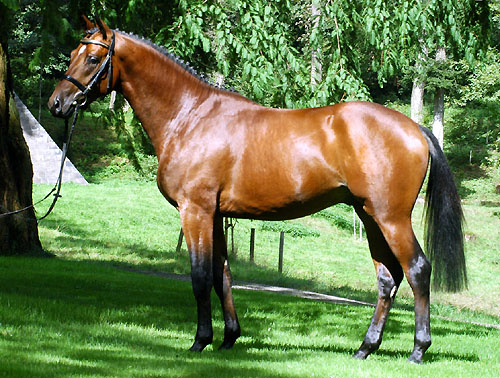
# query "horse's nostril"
(56, 106)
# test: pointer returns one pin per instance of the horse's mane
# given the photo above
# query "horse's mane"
(180, 62)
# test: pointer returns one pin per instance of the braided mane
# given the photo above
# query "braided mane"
(174, 58)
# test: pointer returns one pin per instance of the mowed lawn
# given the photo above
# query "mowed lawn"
(67, 318)
(77, 315)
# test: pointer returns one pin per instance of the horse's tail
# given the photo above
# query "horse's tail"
(444, 239)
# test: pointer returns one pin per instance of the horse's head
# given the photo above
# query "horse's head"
(90, 73)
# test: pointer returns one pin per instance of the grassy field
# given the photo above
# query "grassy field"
(131, 224)
(77, 314)
(68, 318)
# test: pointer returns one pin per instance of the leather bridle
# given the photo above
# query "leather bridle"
(108, 61)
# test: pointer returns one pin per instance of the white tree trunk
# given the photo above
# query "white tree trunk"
(112, 100)
(316, 68)
(417, 101)
(438, 124)
(418, 90)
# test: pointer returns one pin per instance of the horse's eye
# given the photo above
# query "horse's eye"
(92, 60)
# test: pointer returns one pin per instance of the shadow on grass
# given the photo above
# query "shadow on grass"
(64, 317)
(75, 237)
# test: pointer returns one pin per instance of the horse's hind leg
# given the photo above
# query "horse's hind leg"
(399, 235)
(389, 277)
(222, 286)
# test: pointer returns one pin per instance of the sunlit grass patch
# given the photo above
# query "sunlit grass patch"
(66, 318)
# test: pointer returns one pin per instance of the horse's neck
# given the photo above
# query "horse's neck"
(161, 92)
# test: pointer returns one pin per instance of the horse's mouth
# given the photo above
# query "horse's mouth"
(65, 111)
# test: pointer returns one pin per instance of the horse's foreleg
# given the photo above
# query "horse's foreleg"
(389, 277)
(197, 225)
(222, 285)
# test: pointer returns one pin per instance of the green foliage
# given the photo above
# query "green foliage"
(339, 216)
(472, 129)
(264, 49)
(10, 4)
(444, 74)
(296, 230)
(247, 42)
(483, 85)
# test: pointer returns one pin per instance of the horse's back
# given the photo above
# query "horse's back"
(294, 162)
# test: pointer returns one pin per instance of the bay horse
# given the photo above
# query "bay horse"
(222, 155)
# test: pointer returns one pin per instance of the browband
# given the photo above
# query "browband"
(87, 41)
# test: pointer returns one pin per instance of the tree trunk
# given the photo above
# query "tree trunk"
(19, 232)
(417, 101)
(417, 93)
(316, 68)
(112, 100)
(437, 124)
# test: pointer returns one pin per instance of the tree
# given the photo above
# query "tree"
(316, 67)
(19, 232)
(437, 124)
(457, 28)
(418, 88)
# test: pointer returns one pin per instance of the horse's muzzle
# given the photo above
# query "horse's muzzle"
(64, 109)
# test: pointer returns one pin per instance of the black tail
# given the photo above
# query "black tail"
(444, 240)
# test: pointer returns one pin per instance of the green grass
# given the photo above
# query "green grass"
(77, 315)
(70, 318)
(131, 224)
(102, 150)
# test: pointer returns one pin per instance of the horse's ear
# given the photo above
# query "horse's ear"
(86, 23)
(103, 28)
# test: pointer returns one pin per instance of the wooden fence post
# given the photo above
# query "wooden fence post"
(354, 222)
(226, 226)
(252, 244)
(282, 243)
(179, 242)
(354, 217)
(232, 237)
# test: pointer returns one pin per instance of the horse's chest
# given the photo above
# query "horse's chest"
(180, 179)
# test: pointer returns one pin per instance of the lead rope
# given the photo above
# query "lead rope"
(68, 133)
(67, 136)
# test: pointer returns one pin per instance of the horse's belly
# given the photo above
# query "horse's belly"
(280, 205)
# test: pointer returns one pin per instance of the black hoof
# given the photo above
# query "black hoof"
(415, 359)
(198, 346)
(360, 355)
(227, 345)
(230, 337)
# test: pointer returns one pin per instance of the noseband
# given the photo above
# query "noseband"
(108, 61)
